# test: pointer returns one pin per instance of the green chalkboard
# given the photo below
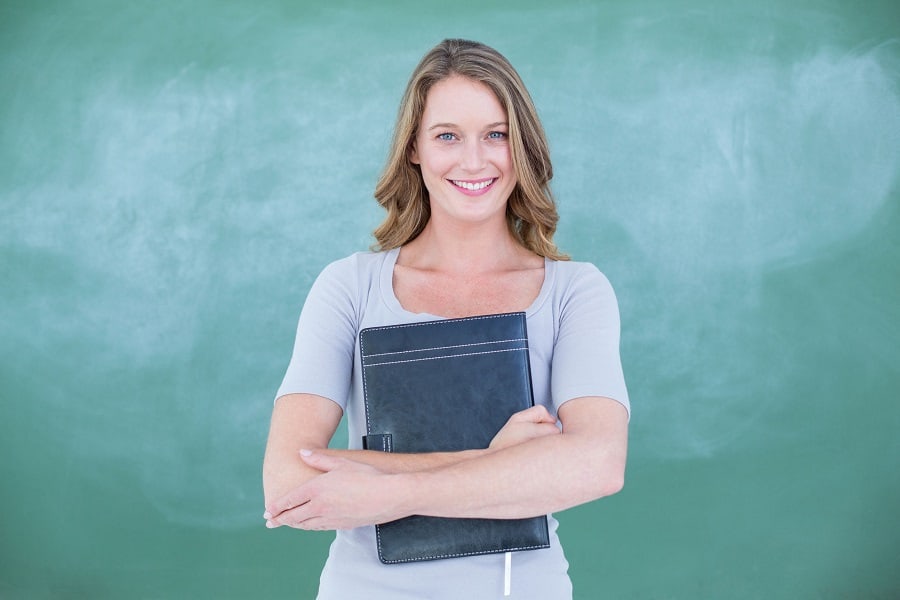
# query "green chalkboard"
(173, 175)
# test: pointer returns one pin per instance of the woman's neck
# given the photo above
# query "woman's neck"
(470, 250)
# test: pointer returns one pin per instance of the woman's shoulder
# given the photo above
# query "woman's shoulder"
(352, 267)
(579, 284)
(347, 282)
(573, 272)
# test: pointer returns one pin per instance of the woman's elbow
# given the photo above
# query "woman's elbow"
(592, 486)
(611, 484)
(608, 479)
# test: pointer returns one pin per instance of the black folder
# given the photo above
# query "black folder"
(443, 386)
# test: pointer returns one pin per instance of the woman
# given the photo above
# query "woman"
(469, 227)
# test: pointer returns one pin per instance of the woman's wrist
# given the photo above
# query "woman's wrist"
(407, 492)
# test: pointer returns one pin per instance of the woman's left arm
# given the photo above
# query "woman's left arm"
(543, 474)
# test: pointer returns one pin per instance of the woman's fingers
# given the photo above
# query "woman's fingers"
(343, 496)
(294, 517)
(535, 414)
(525, 425)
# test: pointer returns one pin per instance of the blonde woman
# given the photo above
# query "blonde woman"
(469, 231)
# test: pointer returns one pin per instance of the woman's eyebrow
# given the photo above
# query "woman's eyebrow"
(452, 125)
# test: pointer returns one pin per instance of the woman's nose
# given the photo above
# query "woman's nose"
(472, 158)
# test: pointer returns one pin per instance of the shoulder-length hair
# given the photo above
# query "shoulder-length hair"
(531, 210)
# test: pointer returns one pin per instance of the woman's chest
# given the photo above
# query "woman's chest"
(466, 295)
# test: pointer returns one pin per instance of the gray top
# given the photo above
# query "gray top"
(573, 338)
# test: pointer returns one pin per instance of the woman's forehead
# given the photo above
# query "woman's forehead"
(458, 100)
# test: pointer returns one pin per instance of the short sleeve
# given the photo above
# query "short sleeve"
(322, 360)
(586, 359)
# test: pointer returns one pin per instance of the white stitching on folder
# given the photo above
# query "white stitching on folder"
(479, 318)
(409, 360)
(404, 560)
(449, 347)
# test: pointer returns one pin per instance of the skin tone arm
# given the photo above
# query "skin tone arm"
(528, 471)
(307, 422)
(298, 421)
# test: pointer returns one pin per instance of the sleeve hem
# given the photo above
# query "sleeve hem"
(625, 403)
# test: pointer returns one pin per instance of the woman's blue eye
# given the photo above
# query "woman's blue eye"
(497, 135)
(447, 137)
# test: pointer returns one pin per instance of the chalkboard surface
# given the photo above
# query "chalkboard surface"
(173, 176)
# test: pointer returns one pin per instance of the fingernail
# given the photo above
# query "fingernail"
(270, 525)
(267, 515)
(306, 452)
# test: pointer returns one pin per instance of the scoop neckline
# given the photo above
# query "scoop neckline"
(393, 303)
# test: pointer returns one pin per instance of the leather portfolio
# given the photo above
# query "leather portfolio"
(444, 386)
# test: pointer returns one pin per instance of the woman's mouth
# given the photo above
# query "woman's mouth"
(473, 187)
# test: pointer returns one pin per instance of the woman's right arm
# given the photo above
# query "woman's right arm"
(306, 413)
(299, 421)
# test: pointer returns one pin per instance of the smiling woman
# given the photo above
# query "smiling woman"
(462, 151)
(469, 232)
(531, 210)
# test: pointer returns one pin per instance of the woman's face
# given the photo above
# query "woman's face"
(462, 148)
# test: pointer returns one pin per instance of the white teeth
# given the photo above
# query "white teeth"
(473, 187)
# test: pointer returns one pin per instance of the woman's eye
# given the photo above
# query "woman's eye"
(496, 135)
(446, 137)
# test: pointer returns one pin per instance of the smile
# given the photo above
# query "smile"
(473, 186)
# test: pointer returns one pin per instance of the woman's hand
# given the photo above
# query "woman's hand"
(525, 425)
(347, 494)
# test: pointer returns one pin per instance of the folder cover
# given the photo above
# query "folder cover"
(444, 386)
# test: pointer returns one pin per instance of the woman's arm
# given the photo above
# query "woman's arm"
(304, 422)
(298, 421)
(522, 426)
(287, 468)
(542, 474)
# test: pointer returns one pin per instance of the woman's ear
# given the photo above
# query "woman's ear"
(413, 153)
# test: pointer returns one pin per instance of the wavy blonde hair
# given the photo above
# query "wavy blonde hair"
(531, 210)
